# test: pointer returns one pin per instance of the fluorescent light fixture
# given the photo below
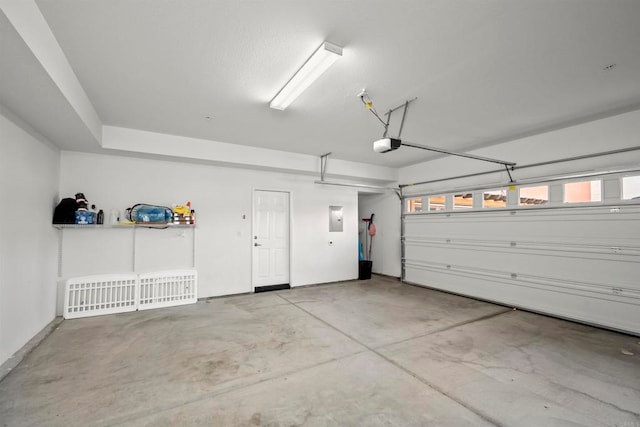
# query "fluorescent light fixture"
(317, 64)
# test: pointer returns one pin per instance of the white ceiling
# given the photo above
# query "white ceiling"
(483, 71)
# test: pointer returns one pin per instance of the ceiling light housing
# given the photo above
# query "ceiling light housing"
(317, 64)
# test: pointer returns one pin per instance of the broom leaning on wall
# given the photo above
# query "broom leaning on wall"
(365, 265)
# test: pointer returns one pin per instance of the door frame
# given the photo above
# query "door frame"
(275, 190)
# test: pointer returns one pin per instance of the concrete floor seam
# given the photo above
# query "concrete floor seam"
(617, 408)
(326, 323)
(205, 396)
(479, 413)
(446, 328)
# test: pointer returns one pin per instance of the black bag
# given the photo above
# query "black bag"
(65, 212)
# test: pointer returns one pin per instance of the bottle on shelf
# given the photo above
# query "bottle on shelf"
(115, 217)
(100, 217)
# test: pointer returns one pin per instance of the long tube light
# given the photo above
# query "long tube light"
(317, 64)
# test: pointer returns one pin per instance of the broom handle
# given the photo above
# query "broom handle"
(366, 242)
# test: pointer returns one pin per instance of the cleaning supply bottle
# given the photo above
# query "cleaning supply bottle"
(115, 217)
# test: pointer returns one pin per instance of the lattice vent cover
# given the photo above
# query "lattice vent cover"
(105, 294)
(168, 288)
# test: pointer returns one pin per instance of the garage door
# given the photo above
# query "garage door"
(578, 261)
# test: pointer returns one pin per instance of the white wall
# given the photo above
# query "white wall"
(385, 252)
(29, 171)
(234, 155)
(222, 198)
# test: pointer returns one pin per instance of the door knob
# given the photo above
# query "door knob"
(257, 244)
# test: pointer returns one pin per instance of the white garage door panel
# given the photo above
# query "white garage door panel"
(607, 270)
(578, 263)
(531, 226)
(569, 304)
(621, 293)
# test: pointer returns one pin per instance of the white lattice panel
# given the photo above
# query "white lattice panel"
(104, 294)
(168, 288)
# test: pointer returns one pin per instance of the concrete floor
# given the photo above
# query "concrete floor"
(368, 353)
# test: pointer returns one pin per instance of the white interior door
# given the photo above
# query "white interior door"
(270, 238)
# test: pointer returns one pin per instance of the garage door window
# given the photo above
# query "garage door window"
(463, 201)
(583, 191)
(414, 205)
(495, 198)
(631, 187)
(436, 203)
(533, 196)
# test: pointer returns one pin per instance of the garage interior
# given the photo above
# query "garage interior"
(482, 158)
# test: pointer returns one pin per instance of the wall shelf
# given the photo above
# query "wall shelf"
(116, 248)
(123, 226)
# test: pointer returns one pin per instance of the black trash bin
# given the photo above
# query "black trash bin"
(364, 270)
